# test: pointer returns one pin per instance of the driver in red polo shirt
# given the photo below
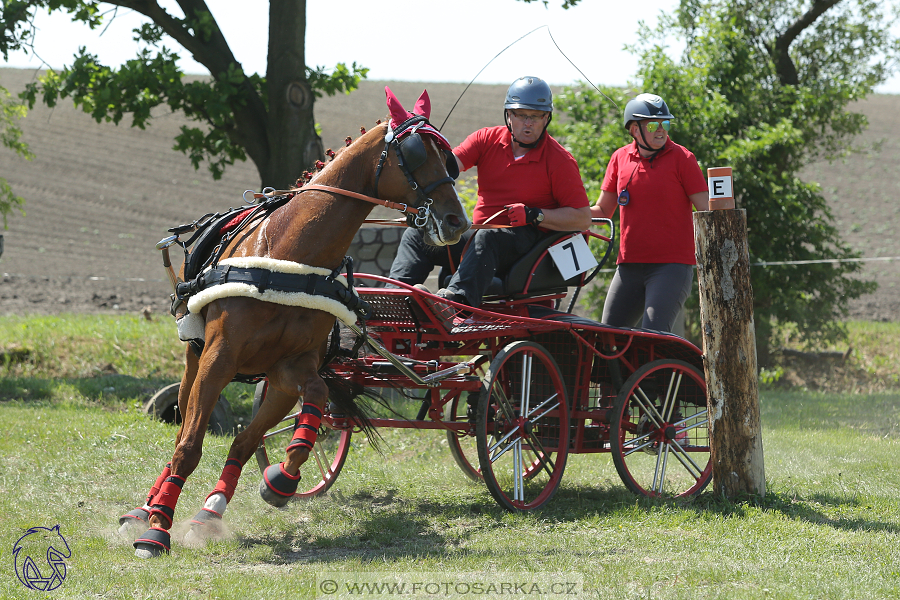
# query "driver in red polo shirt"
(524, 175)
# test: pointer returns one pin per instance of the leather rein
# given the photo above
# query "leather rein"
(416, 215)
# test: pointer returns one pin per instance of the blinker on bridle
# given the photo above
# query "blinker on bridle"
(411, 154)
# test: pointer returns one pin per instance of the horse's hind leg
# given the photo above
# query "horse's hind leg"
(280, 481)
(135, 521)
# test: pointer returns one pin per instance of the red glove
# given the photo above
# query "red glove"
(520, 215)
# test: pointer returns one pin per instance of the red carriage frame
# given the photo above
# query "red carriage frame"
(500, 380)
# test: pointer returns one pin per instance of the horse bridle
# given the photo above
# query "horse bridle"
(411, 154)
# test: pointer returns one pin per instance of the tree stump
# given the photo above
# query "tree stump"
(729, 352)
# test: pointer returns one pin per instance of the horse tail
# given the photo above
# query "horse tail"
(355, 402)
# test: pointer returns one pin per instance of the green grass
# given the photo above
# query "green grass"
(77, 451)
(873, 351)
(828, 527)
(107, 360)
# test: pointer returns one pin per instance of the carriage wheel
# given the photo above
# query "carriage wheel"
(463, 445)
(325, 461)
(660, 430)
(522, 449)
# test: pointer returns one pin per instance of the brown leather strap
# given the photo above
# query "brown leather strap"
(404, 208)
(486, 225)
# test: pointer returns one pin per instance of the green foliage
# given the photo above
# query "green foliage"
(231, 109)
(467, 190)
(11, 137)
(734, 108)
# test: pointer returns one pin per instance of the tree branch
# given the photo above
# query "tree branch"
(209, 47)
(779, 51)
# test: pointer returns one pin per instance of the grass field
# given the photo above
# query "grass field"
(77, 451)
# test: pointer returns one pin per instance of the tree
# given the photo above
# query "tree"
(268, 119)
(764, 86)
(11, 137)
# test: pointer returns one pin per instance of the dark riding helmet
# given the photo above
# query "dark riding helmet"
(532, 93)
(646, 106)
(529, 92)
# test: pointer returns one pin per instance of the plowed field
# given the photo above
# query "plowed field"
(99, 196)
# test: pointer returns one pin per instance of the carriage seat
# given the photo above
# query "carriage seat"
(534, 274)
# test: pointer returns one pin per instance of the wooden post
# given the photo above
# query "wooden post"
(729, 352)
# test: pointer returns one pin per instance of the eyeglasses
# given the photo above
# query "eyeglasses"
(654, 125)
(528, 118)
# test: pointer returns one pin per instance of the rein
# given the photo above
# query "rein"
(415, 215)
(404, 208)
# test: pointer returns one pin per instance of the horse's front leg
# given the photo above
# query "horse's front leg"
(136, 521)
(208, 522)
(215, 370)
(280, 481)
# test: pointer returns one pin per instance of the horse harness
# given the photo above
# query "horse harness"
(411, 154)
(213, 231)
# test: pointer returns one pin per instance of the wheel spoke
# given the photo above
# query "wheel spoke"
(658, 450)
(540, 406)
(503, 402)
(685, 459)
(669, 406)
(518, 478)
(648, 408)
(277, 431)
(321, 460)
(526, 382)
(522, 403)
(542, 456)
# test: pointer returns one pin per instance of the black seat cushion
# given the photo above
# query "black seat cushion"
(546, 279)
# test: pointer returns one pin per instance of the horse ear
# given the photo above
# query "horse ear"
(398, 113)
(423, 105)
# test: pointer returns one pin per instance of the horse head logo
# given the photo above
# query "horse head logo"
(45, 543)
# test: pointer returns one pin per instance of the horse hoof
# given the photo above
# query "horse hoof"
(133, 523)
(138, 515)
(278, 487)
(206, 525)
(155, 542)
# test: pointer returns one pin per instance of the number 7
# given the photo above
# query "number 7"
(571, 247)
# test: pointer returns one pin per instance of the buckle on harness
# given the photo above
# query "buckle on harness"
(424, 212)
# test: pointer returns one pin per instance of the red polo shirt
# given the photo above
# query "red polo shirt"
(656, 225)
(546, 177)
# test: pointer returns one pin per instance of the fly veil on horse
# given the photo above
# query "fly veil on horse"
(270, 296)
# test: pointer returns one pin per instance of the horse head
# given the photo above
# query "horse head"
(425, 174)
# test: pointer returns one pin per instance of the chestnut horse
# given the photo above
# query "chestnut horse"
(245, 335)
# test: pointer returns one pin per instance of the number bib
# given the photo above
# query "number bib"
(572, 256)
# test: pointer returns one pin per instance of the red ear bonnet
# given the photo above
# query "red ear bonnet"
(423, 108)
(423, 105)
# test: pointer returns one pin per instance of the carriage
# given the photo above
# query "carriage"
(517, 385)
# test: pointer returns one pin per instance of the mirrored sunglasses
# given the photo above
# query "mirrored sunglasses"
(654, 125)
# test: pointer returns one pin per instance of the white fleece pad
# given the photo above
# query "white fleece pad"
(228, 290)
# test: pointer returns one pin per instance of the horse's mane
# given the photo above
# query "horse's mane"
(330, 156)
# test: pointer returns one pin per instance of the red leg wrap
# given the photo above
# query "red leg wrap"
(159, 481)
(307, 429)
(229, 478)
(163, 505)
